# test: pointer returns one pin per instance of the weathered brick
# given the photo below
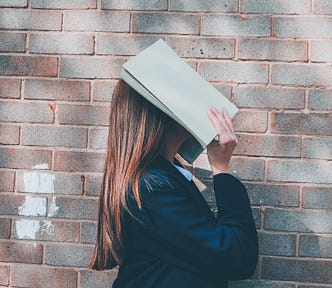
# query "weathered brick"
(299, 123)
(98, 138)
(9, 134)
(12, 42)
(262, 97)
(30, 20)
(61, 43)
(277, 50)
(268, 145)
(7, 181)
(292, 270)
(238, 72)
(300, 171)
(243, 168)
(5, 228)
(276, 6)
(277, 244)
(68, 255)
(226, 25)
(49, 183)
(10, 205)
(45, 230)
(250, 121)
(73, 208)
(25, 158)
(260, 284)
(204, 6)
(96, 21)
(302, 27)
(63, 4)
(13, 3)
(103, 90)
(93, 185)
(4, 275)
(123, 45)
(317, 197)
(89, 232)
(302, 74)
(54, 136)
(224, 90)
(205, 47)
(83, 114)
(273, 195)
(320, 99)
(57, 90)
(90, 67)
(322, 7)
(26, 112)
(166, 23)
(21, 252)
(317, 221)
(321, 51)
(315, 246)
(97, 279)
(134, 5)
(42, 277)
(10, 88)
(319, 148)
(28, 66)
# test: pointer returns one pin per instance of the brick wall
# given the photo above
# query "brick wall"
(59, 63)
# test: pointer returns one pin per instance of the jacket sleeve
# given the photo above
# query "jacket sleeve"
(186, 236)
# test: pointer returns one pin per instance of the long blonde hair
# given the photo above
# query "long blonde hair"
(135, 139)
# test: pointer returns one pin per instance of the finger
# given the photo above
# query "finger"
(228, 120)
(216, 121)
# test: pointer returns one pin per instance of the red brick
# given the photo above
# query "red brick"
(103, 90)
(134, 5)
(68, 255)
(98, 138)
(7, 181)
(54, 136)
(12, 42)
(319, 148)
(204, 6)
(73, 208)
(89, 232)
(322, 7)
(9, 134)
(198, 47)
(10, 88)
(97, 279)
(302, 124)
(277, 244)
(21, 252)
(320, 99)
(45, 230)
(4, 275)
(83, 114)
(10, 204)
(293, 270)
(28, 65)
(5, 226)
(13, 3)
(276, 7)
(93, 185)
(250, 121)
(317, 197)
(25, 158)
(57, 90)
(41, 277)
(26, 112)
(268, 145)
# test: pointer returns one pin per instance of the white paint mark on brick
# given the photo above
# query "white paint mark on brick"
(53, 209)
(33, 206)
(27, 228)
(35, 182)
(41, 166)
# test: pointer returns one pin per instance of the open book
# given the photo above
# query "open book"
(164, 79)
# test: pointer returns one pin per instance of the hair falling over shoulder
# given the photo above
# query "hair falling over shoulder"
(136, 131)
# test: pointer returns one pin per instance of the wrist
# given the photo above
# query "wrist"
(220, 169)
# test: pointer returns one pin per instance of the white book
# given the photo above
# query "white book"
(164, 79)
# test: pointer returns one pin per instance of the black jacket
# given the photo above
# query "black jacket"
(175, 241)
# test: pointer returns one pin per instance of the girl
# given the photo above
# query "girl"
(153, 221)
